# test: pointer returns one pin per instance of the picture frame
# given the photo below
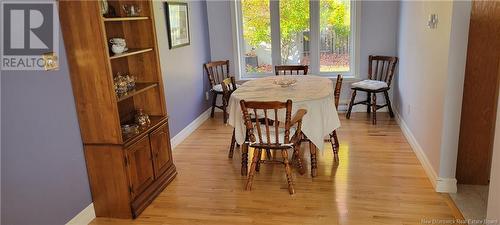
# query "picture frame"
(177, 15)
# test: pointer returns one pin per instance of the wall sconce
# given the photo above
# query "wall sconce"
(51, 62)
(433, 20)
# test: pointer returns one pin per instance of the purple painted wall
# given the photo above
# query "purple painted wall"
(43, 174)
(183, 77)
(44, 179)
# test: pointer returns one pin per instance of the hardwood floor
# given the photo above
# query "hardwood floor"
(378, 180)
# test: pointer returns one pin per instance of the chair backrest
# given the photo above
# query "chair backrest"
(228, 86)
(291, 70)
(338, 87)
(265, 122)
(381, 68)
(217, 71)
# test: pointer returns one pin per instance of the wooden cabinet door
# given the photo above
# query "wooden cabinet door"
(160, 146)
(140, 166)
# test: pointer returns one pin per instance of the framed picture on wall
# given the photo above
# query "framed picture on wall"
(177, 24)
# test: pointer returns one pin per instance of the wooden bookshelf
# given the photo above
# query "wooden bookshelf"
(126, 172)
(119, 19)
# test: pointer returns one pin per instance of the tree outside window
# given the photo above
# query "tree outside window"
(294, 32)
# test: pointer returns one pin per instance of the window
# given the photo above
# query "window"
(256, 43)
(320, 34)
(335, 30)
(294, 31)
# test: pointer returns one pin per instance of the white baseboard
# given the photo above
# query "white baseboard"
(177, 139)
(440, 184)
(446, 185)
(431, 174)
(84, 217)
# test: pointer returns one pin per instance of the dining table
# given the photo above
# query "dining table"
(310, 92)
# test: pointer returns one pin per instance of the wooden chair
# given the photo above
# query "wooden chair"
(228, 87)
(217, 72)
(291, 70)
(333, 136)
(380, 73)
(278, 136)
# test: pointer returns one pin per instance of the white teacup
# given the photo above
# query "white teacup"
(118, 41)
(117, 49)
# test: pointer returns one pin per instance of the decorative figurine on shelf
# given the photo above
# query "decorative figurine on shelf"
(123, 84)
(141, 118)
(120, 85)
(130, 129)
(130, 82)
(118, 45)
(131, 10)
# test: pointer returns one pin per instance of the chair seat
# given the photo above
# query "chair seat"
(370, 84)
(218, 87)
(272, 134)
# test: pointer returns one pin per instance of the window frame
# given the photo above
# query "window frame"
(314, 8)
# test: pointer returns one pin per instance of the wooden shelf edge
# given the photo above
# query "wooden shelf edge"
(118, 19)
(156, 121)
(140, 87)
(130, 52)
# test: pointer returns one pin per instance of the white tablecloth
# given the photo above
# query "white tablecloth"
(313, 93)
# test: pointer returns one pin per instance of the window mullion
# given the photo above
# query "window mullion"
(275, 32)
(239, 40)
(314, 35)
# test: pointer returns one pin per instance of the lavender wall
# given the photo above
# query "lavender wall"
(379, 31)
(430, 85)
(44, 179)
(183, 77)
(43, 174)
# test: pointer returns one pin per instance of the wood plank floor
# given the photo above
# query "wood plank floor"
(378, 180)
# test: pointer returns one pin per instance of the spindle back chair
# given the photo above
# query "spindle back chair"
(217, 72)
(264, 132)
(291, 70)
(381, 69)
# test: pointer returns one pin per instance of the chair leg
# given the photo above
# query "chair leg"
(244, 159)
(255, 159)
(388, 101)
(231, 148)
(268, 154)
(335, 145)
(214, 101)
(296, 156)
(288, 172)
(257, 168)
(314, 163)
(351, 104)
(368, 102)
(374, 108)
(224, 109)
